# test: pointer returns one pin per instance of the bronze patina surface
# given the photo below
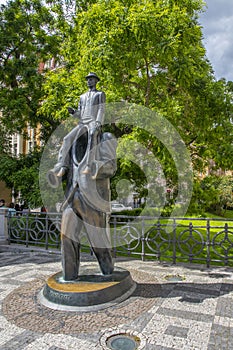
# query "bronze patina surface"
(86, 161)
(90, 289)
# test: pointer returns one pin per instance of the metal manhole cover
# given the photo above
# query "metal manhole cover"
(123, 342)
(174, 278)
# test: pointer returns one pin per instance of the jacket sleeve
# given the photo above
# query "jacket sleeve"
(101, 108)
(77, 113)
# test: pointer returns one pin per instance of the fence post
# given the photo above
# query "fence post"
(114, 238)
(226, 261)
(46, 224)
(3, 226)
(143, 240)
(174, 241)
(208, 243)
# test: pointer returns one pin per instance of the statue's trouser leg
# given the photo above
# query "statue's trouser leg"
(92, 141)
(64, 155)
(95, 225)
(70, 258)
(70, 245)
(104, 258)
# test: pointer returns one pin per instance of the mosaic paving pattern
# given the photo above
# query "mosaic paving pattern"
(196, 313)
(23, 301)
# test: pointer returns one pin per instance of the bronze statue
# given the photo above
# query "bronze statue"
(87, 160)
(91, 113)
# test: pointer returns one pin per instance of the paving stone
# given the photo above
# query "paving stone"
(20, 341)
(221, 336)
(11, 282)
(10, 261)
(93, 337)
(195, 314)
(227, 287)
(188, 315)
(177, 331)
(16, 273)
(157, 347)
(141, 322)
(224, 308)
(210, 292)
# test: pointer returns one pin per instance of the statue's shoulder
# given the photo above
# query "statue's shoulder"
(97, 92)
(83, 95)
(100, 92)
(102, 97)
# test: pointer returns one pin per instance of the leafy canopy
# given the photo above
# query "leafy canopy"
(147, 53)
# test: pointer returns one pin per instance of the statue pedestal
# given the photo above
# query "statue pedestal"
(92, 291)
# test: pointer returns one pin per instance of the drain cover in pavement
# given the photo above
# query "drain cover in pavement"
(123, 342)
(174, 278)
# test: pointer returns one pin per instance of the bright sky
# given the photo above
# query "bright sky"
(217, 22)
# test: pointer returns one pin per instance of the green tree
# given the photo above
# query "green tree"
(30, 34)
(226, 192)
(28, 37)
(214, 193)
(22, 175)
(147, 53)
(151, 54)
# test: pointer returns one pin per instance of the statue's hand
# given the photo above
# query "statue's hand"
(97, 125)
(71, 110)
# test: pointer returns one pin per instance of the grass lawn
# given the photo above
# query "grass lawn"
(228, 214)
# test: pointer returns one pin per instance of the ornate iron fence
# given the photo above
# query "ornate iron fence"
(35, 229)
(208, 241)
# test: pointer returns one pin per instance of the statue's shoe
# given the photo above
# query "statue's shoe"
(61, 172)
(87, 170)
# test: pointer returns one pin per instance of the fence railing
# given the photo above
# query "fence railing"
(200, 240)
(35, 229)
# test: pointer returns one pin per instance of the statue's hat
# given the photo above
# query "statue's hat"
(93, 75)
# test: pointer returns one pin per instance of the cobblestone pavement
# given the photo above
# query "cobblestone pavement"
(173, 307)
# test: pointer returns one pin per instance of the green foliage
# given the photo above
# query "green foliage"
(140, 50)
(225, 189)
(205, 196)
(30, 33)
(147, 53)
(28, 37)
(228, 214)
(151, 54)
(22, 175)
(213, 193)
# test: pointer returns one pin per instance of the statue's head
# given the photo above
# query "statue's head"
(92, 75)
(92, 79)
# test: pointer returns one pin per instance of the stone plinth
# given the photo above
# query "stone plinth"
(91, 291)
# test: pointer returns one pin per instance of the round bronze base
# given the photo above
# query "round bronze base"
(90, 292)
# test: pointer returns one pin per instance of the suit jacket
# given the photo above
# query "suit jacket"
(91, 107)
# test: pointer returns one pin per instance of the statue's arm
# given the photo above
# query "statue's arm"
(76, 112)
(101, 108)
